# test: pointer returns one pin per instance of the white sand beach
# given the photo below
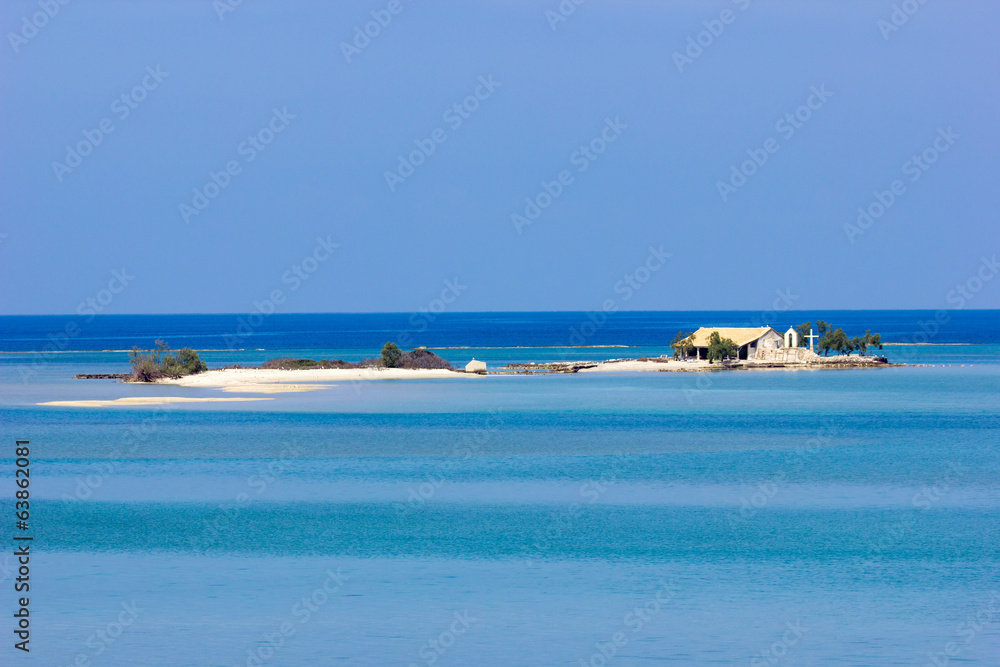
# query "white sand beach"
(145, 400)
(272, 388)
(270, 380)
(633, 365)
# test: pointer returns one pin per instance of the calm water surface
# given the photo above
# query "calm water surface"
(771, 518)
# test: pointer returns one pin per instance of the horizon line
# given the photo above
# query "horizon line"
(494, 312)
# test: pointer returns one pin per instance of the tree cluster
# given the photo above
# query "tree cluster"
(392, 357)
(151, 365)
(683, 345)
(835, 340)
(720, 348)
(420, 358)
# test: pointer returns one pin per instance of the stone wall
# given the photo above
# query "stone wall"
(788, 355)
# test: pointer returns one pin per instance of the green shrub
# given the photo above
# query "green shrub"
(391, 355)
(189, 361)
(720, 348)
(421, 358)
(149, 366)
(683, 345)
(292, 364)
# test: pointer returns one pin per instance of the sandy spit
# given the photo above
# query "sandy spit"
(256, 379)
(144, 400)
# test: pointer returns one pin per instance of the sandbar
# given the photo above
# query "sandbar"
(145, 400)
(259, 380)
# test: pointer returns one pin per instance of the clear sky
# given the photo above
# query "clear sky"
(310, 115)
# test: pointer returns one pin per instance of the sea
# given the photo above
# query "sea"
(761, 518)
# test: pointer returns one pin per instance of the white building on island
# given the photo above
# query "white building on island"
(757, 344)
(749, 340)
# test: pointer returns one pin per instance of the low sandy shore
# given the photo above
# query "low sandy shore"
(633, 365)
(674, 366)
(274, 381)
(269, 380)
(144, 400)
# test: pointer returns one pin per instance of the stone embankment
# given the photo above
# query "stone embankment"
(555, 367)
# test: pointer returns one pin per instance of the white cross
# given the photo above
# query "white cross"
(811, 336)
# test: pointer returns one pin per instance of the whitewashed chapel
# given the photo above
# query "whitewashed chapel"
(756, 343)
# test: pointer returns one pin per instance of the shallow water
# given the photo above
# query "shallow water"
(792, 518)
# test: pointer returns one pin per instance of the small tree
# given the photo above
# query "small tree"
(840, 342)
(869, 341)
(803, 330)
(826, 341)
(145, 365)
(155, 364)
(683, 345)
(189, 362)
(720, 348)
(391, 355)
(874, 340)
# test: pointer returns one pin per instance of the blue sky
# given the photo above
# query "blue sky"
(609, 121)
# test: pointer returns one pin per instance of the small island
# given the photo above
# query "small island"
(707, 349)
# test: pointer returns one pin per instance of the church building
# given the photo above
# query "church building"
(749, 340)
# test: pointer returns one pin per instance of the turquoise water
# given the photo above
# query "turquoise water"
(767, 518)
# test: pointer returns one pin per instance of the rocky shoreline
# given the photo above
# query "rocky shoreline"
(648, 364)
(669, 365)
